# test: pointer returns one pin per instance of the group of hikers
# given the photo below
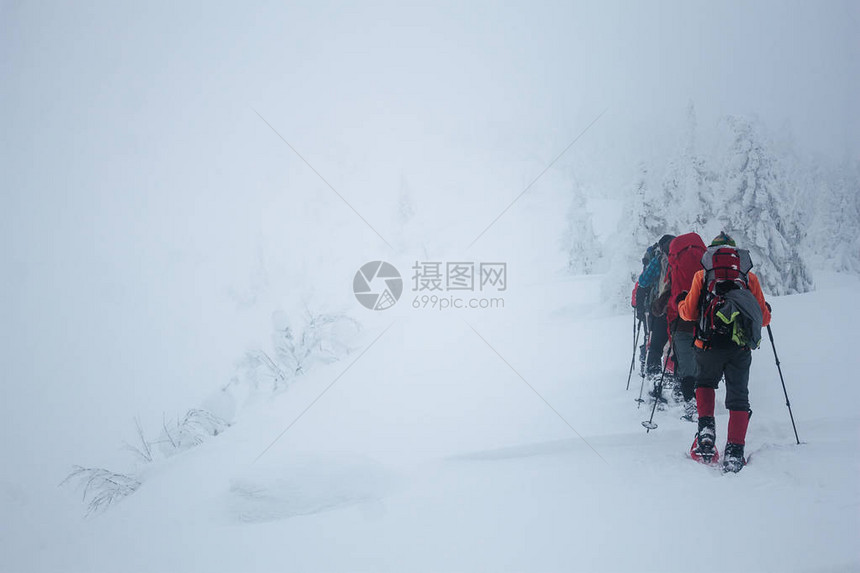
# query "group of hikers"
(702, 310)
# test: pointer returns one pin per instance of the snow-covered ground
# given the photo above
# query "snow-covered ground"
(432, 454)
(155, 229)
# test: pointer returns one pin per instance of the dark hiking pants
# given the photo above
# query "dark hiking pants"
(659, 337)
(685, 360)
(734, 362)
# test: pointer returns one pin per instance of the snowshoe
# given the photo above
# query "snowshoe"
(734, 461)
(704, 455)
(704, 449)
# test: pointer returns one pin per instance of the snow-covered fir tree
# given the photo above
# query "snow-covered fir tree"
(753, 208)
(405, 211)
(653, 217)
(688, 184)
(785, 209)
(817, 216)
(833, 240)
(406, 227)
(638, 228)
(583, 248)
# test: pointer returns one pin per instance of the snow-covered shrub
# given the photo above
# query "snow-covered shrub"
(316, 338)
(321, 338)
(192, 430)
(143, 448)
(101, 488)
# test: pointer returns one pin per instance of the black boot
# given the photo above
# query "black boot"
(677, 393)
(704, 445)
(653, 392)
(734, 458)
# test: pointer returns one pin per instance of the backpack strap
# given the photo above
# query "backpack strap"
(746, 261)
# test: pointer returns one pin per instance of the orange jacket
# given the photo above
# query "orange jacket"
(688, 308)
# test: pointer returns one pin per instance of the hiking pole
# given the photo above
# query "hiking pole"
(632, 360)
(639, 400)
(635, 342)
(649, 424)
(787, 401)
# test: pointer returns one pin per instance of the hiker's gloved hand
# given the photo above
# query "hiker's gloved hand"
(681, 296)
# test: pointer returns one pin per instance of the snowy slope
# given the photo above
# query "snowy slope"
(431, 454)
(175, 177)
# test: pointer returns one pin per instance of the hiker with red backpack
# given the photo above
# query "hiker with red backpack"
(726, 302)
(685, 259)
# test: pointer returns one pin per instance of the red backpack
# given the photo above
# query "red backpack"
(726, 268)
(685, 259)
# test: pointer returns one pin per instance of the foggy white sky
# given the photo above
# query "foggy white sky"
(138, 185)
